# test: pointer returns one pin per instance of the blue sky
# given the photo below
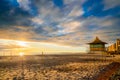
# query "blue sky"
(63, 22)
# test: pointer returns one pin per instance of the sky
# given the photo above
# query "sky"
(34, 26)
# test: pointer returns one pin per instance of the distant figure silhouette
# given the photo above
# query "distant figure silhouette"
(42, 53)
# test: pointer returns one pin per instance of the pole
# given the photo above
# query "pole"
(22, 65)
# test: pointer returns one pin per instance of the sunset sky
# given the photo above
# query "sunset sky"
(33, 26)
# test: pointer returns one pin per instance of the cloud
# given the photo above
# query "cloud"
(111, 4)
(72, 22)
(71, 26)
(25, 4)
(80, 2)
(89, 29)
(9, 46)
(37, 20)
(106, 28)
(76, 12)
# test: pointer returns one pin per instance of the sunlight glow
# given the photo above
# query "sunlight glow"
(32, 48)
(21, 54)
(22, 43)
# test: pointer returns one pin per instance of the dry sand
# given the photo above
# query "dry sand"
(54, 67)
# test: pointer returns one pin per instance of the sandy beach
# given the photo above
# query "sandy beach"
(54, 67)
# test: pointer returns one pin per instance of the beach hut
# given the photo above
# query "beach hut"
(97, 46)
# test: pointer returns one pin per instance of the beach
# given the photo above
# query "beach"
(53, 67)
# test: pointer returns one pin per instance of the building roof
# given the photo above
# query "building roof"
(97, 41)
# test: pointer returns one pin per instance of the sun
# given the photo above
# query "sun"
(21, 54)
(22, 43)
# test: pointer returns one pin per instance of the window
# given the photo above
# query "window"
(96, 46)
(119, 48)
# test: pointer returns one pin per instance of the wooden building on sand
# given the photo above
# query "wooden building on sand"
(97, 46)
